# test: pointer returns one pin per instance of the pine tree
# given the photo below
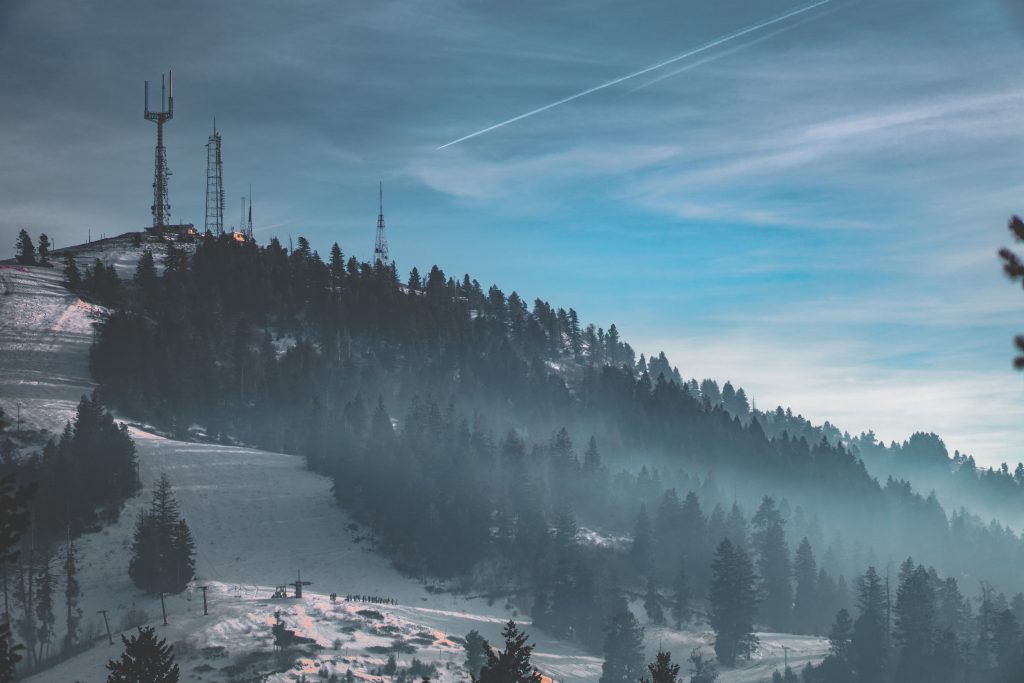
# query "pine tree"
(9, 653)
(145, 659)
(623, 649)
(805, 604)
(681, 603)
(836, 667)
(915, 626)
(45, 619)
(72, 276)
(511, 665)
(869, 650)
(1013, 266)
(163, 552)
(1009, 650)
(183, 552)
(592, 459)
(14, 522)
(702, 670)
(337, 267)
(72, 593)
(773, 565)
(642, 545)
(733, 603)
(414, 283)
(475, 645)
(146, 276)
(652, 604)
(44, 250)
(662, 669)
(25, 249)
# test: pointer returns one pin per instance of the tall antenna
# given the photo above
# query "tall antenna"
(248, 227)
(214, 184)
(161, 207)
(380, 250)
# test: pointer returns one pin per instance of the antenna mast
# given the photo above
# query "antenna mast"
(161, 207)
(248, 228)
(214, 184)
(380, 249)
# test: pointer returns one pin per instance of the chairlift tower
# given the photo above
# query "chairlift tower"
(161, 207)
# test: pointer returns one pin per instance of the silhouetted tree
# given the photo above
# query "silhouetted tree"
(26, 251)
(512, 665)
(1013, 266)
(475, 653)
(702, 670)
(146, 659)
(662, 669)
(14, 522)
(623, 649)
(44, 250)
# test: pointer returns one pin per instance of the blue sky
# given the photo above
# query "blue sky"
(811, 211)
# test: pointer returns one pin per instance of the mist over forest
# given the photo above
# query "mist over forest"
(510, 448)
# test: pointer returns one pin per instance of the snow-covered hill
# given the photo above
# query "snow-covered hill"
(258, 519)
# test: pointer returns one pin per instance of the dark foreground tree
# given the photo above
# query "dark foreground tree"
(733, 599)
(146, 659)
(702, 670)
(44, 250)
(511, 665)
(662, 669)
(623, 649)
(14, 522)
(26, 250)
(1013, 266)
(474, 653)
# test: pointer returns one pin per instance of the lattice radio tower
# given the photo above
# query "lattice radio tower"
(380, 249)
(161, 206)
(214, 184)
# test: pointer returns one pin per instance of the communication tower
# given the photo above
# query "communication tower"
(161, 208)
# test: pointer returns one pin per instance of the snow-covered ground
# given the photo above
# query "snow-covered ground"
(258, 519)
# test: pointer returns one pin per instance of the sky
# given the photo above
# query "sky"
(811, 210)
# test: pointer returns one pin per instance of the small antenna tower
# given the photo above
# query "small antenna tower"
(241, 221)
(380, 249)
(161, 207)
(214, 184)
(248, 227)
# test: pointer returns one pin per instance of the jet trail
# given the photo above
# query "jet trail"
(738, 48)
(646, 69)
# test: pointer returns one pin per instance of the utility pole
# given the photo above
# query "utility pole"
(107, 624)
(163, 607)
(203, 588)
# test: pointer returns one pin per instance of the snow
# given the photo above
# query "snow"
(258, 519)
(121, 252)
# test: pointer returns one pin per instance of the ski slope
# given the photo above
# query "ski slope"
(258, 519)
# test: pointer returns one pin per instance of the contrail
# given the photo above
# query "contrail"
(646, 69)
(738, 48)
